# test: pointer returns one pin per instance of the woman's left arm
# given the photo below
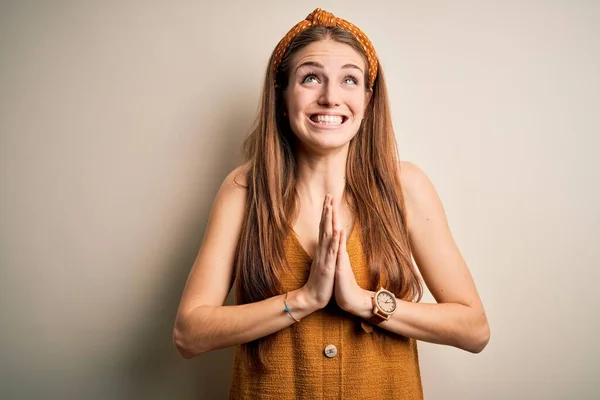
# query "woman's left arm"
(458, 319)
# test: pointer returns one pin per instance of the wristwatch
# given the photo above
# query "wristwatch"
(384, 305)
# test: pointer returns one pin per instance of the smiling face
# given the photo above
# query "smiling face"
(326, 96)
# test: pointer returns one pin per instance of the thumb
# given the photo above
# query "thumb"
(342, 247)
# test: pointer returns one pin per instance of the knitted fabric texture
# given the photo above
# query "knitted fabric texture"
(321, 17)
(366, 366)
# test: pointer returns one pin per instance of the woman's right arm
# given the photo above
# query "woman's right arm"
(203, 323)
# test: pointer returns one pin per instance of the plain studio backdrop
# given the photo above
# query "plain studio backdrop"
(119, 120)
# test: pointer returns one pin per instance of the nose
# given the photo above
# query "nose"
(330, 95)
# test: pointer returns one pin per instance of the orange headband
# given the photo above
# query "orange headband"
(321, 17)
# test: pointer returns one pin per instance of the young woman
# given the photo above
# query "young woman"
(318, 230)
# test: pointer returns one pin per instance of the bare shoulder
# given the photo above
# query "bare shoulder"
(230, 203)
(415, 182)
(236, 180)
(413, 178)
(420, 196)
(211, 276)
(436, 253)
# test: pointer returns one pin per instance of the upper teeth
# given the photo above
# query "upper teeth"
(330, 119)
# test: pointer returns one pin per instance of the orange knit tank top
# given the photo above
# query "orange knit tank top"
(358, 365)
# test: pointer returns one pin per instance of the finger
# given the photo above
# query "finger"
(323, 212)
(341, 247)
(336, 217)
(334, 246)
(328, 221)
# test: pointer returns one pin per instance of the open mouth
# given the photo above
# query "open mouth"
(328, 119)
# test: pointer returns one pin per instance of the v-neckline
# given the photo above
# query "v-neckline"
(305, 253)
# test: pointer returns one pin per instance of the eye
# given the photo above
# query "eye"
(309, 78)
(351, 80)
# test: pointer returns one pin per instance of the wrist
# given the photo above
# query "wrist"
(361, 304)
(301, 301)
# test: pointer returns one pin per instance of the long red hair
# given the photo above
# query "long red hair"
(372, 185)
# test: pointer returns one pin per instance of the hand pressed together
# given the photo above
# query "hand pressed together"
(331, 273)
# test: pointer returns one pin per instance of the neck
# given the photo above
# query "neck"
(319, 175)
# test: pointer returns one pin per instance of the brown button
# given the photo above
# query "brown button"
(331, 351)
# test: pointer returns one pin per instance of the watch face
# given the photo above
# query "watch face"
(386, 301)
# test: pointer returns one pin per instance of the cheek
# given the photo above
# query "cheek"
(357, 105)
(298, 100)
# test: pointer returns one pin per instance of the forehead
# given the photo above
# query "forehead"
(329, 53)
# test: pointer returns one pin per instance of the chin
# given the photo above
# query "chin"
(326, 143)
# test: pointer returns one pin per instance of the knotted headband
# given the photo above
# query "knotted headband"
(320, 17)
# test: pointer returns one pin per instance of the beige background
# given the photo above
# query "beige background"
(119, 119)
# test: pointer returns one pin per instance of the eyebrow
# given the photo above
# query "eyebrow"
(319, 65)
